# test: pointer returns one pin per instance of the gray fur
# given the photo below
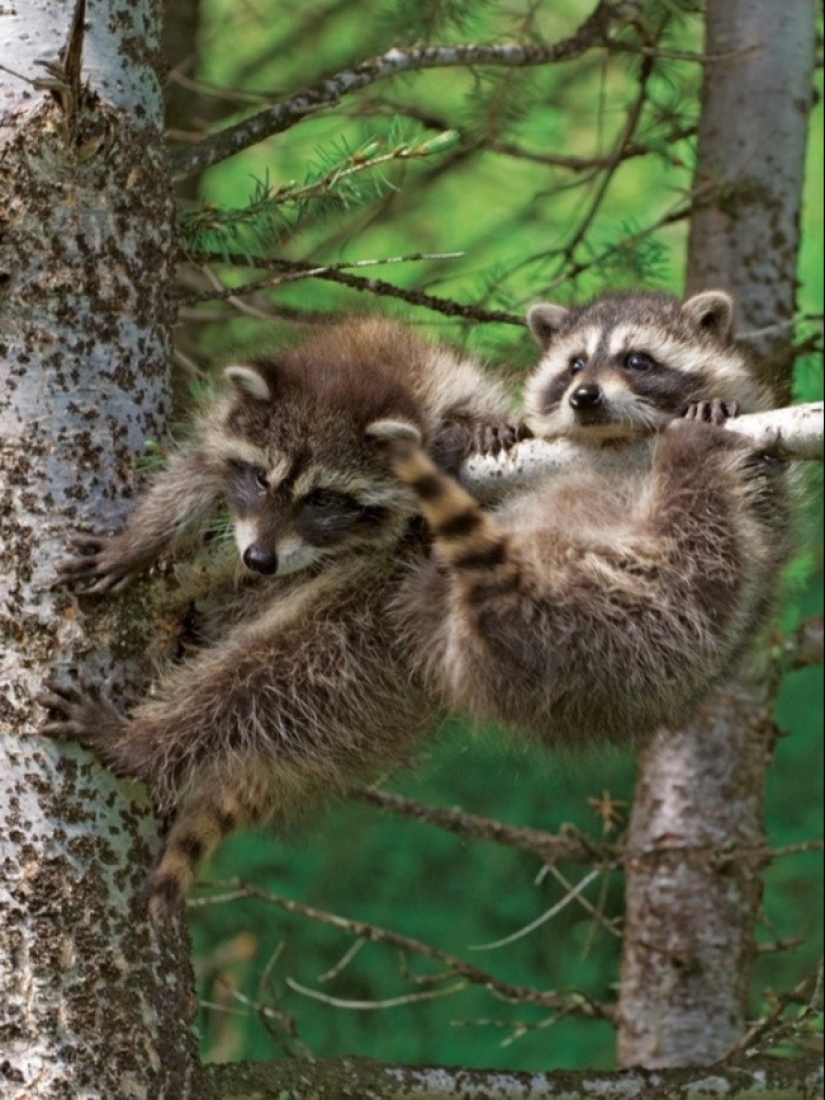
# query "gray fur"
(598, 607)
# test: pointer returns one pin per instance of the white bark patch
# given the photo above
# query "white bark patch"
(794, 433)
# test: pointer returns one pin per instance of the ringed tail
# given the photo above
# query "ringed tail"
(466, 536)
(202, 823)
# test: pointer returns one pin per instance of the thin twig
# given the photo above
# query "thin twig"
(506, 990)
(309, 273)
(388, 1002)
(548, 847)
(446, 306)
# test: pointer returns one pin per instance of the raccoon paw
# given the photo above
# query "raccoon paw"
(712, 412)
(458, 440)
(489, 439)
(83, 712)
(97, 568)
(762, 460)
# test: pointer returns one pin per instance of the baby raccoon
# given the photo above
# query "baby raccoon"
(627, 363)
(600, 606)
(312, 687)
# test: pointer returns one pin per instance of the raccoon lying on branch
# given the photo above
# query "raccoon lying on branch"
(604, 603)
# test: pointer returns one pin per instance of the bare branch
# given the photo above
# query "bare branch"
(628, 150)
(549, 848)
(326, 93)
(447, 306)
(794, 433)
(508, 991)
(306, 272)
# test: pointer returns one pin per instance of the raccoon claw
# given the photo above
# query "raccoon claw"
(712, 412)
(85, 712)
(490, 439)
(92, 563)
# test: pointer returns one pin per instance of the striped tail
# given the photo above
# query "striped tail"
(205, 819)
(467, 537)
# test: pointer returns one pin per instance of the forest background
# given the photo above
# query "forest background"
(549, 183)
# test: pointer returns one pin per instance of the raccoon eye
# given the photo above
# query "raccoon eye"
(261, 480)
(577, 364)
(637, 360)
(322, 498)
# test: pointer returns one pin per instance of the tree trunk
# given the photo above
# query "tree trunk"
(93, 1004)
(690, 914)
(744, 234)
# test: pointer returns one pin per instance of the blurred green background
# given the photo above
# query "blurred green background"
(528, 228)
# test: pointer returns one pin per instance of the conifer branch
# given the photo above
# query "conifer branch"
(326, 93)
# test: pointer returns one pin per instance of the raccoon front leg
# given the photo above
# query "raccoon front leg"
(216, 806)
(460, 437)
(180, 499)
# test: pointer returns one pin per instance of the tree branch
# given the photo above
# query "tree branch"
(794, 434)
(559, 1002)
(326, 93)
(548, 847)
(335, 273)
(794, 1079)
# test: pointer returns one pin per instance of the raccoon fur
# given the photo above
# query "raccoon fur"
(312, 687)
(599, 606)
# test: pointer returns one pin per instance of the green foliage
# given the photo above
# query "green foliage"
(337, 179)
(409, 22)
(545, 189)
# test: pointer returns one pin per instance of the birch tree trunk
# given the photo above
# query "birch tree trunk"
(690, 914)
(93, 1004)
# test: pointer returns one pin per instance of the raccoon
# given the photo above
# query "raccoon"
(627, 363)
(312, 686)
(597, 607)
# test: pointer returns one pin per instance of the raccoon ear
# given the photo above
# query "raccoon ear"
(544, 321)
(712, 312)
(388, 431)
(249, 381)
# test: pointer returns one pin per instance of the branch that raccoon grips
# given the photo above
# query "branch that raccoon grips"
(791, 434)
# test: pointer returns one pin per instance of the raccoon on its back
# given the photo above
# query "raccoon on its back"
(600, 606)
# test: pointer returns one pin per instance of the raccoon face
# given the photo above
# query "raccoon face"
(306, 482)
(627, 364)
(287, 517)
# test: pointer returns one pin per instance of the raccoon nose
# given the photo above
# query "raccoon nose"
(260, 559)
(586, 396)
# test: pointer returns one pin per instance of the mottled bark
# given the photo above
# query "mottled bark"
(93, 1004)
(690, 909)
(690, 915)
(765, 1079)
